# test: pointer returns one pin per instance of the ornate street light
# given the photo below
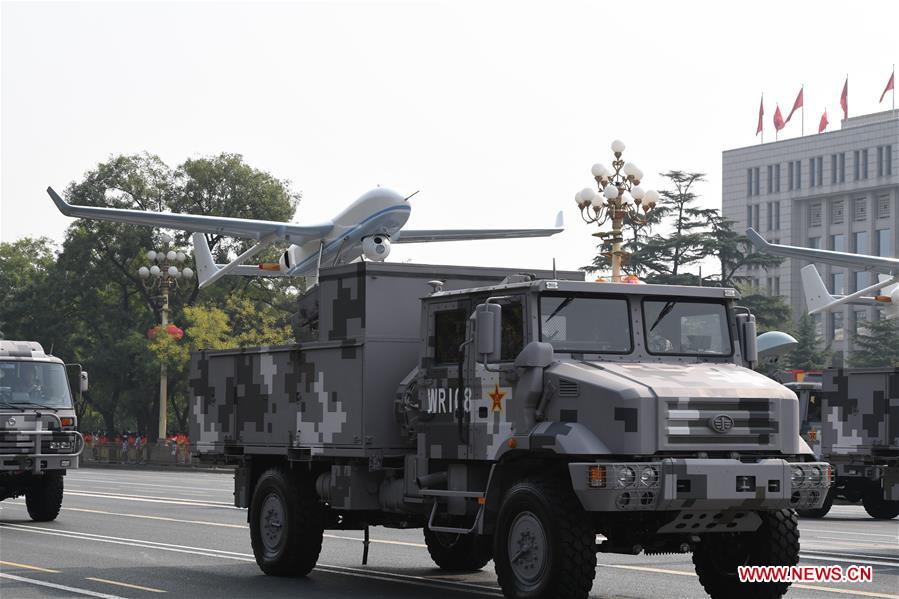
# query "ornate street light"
(619, 196)
(163, 273)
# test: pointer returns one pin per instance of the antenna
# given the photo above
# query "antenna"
(407, 198)
(554, 269)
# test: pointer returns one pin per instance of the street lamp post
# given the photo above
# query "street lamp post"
(164, 273)
(619, 196)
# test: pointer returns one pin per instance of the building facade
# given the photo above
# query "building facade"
(836, 191)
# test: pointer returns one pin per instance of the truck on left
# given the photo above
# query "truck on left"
(38, 436)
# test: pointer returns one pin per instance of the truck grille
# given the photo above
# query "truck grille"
(12, 443)
(718, 423)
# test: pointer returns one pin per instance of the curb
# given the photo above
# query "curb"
(156, 467)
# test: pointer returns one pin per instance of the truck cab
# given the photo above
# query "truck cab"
(38, 436)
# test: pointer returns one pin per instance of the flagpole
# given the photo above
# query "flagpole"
(894, 86)
(803, 109)
(763, 115)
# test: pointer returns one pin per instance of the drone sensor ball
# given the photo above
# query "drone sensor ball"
(376, 247)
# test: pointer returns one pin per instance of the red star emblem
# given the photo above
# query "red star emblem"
(497, 397)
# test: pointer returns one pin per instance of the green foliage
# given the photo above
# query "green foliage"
(877, 344)
(89, 304)
(810, 353)
(772, 313)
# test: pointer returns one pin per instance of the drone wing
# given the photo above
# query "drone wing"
(432, 235)
(216, 225)
(889, 266)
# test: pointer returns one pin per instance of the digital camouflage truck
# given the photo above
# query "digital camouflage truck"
(851, 419)
(531, 419)
(38, 440)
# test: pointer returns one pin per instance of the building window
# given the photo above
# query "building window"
(880, 161)
(887, 159)
(748, 216)
(862, 279)
(755, 180)
(776, 285)
(770, 214)
(833, 168)
(818, 319)
(814, 214)
(749, 182)
(860, 242)
(776, 178)
(777, 215)
(860, 319)
(770, 179)
(883, 206)
(811, 172)
(790, 168)
(841, 167)
(819, 168)
(814, 243)
(755, 217)
(884, 247)
(865, 163)
(856, 165)
(838, 242)
(860, 209)
(798, 174)
(836, 328)
(836, 212)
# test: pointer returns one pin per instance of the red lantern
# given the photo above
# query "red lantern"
(174, 331)
(151, 333)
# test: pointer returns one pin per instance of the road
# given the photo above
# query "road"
(136, 534)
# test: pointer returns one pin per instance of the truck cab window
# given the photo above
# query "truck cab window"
(585, 324)
(513, 330)
(449, 333)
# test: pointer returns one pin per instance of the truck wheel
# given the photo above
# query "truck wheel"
(775, 543)
(285, 524)
(544, 544)
(44, 499)
(821, 511)
(877, 506)
(457, 551)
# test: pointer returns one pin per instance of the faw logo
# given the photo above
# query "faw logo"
(721, 423)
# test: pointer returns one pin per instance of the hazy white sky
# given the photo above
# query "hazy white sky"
(494, 110)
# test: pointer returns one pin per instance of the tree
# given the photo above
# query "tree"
(772, 313)
(734, 251)
(810, 353)
(877, 344)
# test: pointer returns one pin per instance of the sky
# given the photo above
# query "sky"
(494, 111)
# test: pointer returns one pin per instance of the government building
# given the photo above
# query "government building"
(837, 190)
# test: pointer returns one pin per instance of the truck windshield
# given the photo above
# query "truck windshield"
(41, 383)
(675, 326)
(585, 324)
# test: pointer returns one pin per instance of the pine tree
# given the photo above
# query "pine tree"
(809, 353)
(877, 344)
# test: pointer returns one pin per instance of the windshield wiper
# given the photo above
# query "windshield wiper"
(561, 307)
(6, 404)
(669, 306)
(40, 405)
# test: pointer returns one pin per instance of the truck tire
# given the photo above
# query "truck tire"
(775, 543)
(877, 506)
(458, 552)
(285, 524)
(821, 511)
(44, 499)
(544, 543)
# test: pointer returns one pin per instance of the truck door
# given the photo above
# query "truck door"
(492, 405)
(442, 397)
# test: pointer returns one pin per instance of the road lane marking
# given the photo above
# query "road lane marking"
(442, 584)
(79, 479)
(91, 492)
(126, 584)
(27, 567)
(382, 541)
(861, 534)
(61, 587)
(187, 502)
(810, 587)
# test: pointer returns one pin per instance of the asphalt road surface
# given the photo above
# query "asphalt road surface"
(139, 534)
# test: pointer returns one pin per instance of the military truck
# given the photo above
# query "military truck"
(513, 417)
(851, 419)
(38, 440)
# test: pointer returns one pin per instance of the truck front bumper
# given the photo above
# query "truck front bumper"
(40, 450)
(700, 484)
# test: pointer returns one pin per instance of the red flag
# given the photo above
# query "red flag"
(844, 99)
(761, 114)
(823, 124)
(889, 86)
(796, 104)
(778, 119)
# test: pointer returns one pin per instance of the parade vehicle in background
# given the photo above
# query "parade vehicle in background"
(38, 440)
(513, 417)
(850, 419)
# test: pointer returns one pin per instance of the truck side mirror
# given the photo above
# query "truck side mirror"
(749, 346)
(83, 381)
(488, 331)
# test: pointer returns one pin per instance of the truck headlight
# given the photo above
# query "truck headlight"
(61, 445)
(626, 476)
(798, 476)
(815, 476)
(649, 476)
